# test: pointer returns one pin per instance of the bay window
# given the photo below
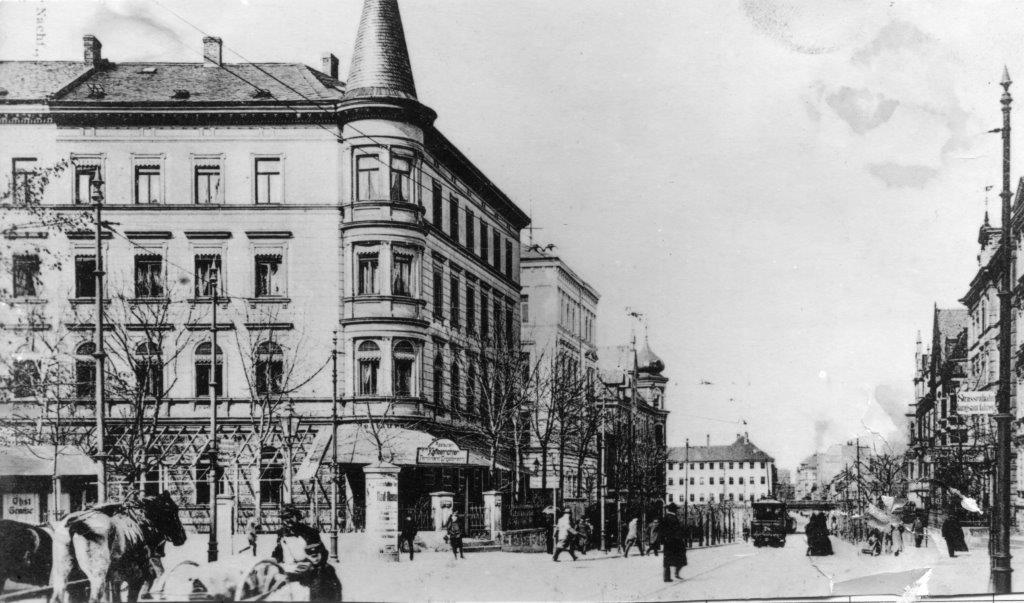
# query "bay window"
(368, 360)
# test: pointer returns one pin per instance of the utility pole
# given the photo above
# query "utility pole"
(686, 491)
(602, 486)
(334, 447)
(211, 554)
(1001, 570)
(99, 354)
(860, 502)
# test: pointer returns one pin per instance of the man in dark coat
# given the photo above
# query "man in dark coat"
(954, 535)
(408, 535)
(673, 542)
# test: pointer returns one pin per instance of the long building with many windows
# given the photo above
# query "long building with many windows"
(738, 472)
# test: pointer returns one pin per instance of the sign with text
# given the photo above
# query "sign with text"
(976, 403)
(442, 452)
(310, 464)
(22, 507)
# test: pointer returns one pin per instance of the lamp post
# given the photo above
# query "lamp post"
(1001, 570)
(211, 552)
(98, 353)
(334, 448)
(289, 430)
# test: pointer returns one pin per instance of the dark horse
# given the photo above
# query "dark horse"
(27, 555)
(114, 543)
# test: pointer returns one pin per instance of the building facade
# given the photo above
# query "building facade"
(739, 472)
(311, 209)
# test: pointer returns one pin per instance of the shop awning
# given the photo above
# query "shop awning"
(360, 444)
(38, 461)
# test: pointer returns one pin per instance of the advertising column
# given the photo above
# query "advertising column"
(382, 510)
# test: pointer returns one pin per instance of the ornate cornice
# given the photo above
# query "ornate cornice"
(26, 119)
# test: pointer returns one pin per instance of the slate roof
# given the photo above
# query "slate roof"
(950, 321)
(35, 80)
(139, 83)
(380, 62)
(740, 450)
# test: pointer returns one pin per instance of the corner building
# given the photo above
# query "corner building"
(321, 205)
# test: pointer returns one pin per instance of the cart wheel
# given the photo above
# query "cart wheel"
(261, 581)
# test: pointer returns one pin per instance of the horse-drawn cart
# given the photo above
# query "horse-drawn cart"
(233, 579)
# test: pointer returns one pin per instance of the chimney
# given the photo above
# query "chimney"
(329, 65)
(709, 439)
(212, 51)
(92, 50)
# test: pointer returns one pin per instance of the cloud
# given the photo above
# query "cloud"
(862, 109)
(127, 27)
(895, 175)
(895, 36)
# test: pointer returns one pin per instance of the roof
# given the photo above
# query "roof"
(136, 83)
(380, 62)
(617, 360)
(949, 322)
(35, 80)
(740, 450)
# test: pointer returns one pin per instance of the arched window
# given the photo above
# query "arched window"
(271, 476)
(439, 381)
(204, 361)
(403, 361)
(149, 369)
(85, 370)
(368, 361)
(269, 367)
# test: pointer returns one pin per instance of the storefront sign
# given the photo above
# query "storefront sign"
(442, 452)
(976, 403)
(22, 507)
(310, 464)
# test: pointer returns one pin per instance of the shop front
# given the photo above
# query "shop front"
(29, 475)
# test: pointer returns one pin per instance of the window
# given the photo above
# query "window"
(149, 276)
(203, 364)
(730, 465)
(25, 270)
(24, 378)
(485, 250)
(741, 481)
(470, 235)
(85, 370)
(701, 498)
(269, 185)
(23, 181)
(496, 260)
(269, 368)
(271, 476)
(721, 465)
(207, 269)
(438, 381)
(762, 479)
(471, 387)
(691, 466)
(149, 369)
(368, 358)
(470, 309)
(702, 466)
(721, 497)
(403, 359)
(669, 498)
(670, 481)
(269, 276)
(401, 178)
(509, 329)
(147, 184)
(151, 476)
(731, 496)
(485, 317)
(497, 317)
(85, 278)
(691, 481)
(762, 464)
(368, 284)
(401, 273)
(671, 466)
(436, 204)
(455, 381)
(438, 295)
(454, 300)
(368, 177)
(453, 218)
(207, 184)
(508, 259)
(84, 175)
(202, 481)
(741, 496)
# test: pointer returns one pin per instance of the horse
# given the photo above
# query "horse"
(114, 543)
(28, 555)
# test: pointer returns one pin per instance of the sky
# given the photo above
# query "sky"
(783, 189)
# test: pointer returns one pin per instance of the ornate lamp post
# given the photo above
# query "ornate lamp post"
(98, 353)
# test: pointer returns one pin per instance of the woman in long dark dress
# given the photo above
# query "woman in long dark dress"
(673, 542)
(818, 543)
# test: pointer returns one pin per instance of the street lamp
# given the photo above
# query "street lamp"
(289, 431)
(98, 352)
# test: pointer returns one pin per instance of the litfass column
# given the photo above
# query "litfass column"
(382, 510)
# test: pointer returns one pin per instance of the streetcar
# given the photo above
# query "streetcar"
(770, 523)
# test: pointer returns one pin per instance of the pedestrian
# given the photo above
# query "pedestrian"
(953, 534)
(653, 536)
(888, 540)
(311, 568)
(408, 535)
(252, 530)
(897, 540)
(633, 537)
(670, 533)
(454, 534)
(586, 533)
(918, 529)
(564, 533)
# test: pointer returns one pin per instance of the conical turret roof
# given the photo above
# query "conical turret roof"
(380, 62)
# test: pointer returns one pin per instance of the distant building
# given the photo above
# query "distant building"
(806, 485)
(739, 472)
(784, 485)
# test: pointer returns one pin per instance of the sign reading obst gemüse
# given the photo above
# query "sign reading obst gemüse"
(976, 403)
(442, 452)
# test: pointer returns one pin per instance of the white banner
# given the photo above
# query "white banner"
(976, 403)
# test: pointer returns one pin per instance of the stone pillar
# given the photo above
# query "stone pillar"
(441, 504)
(225, 525)
(492, 512)
(382, 510)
